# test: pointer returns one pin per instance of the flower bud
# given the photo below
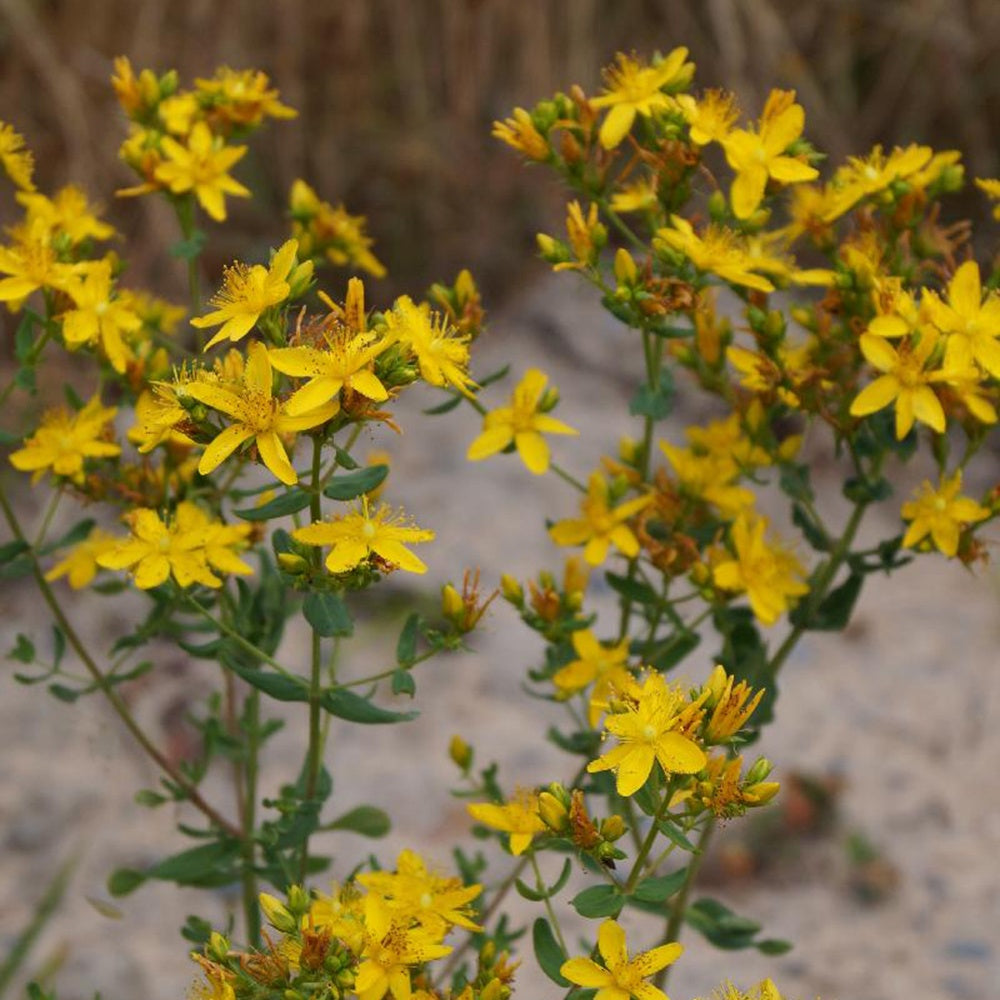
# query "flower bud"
(300, 279)
(512, 590)
(218, 947)
(452, 606)
(298, 900)
(760, 769)
(554, 813)
(292, 563)
(494, 990)
(612, 827)
(460, 752)
(277, 913)
(552, 250)
(625, 269)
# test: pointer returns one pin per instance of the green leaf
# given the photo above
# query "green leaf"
(344, 459)
(719, 925)
(122, 881)
(64, 693)
(347, 705)
(634, 590)
(285, 503)
(24, 337)
(676, 836)
(670, 652)
(654, 403)
(190, 248)
(527, 892)
(147, 797)
(403, 683)
(865, 491)
(406, 647)
(276, 686)
(327, 614)
(445, 407)
(661, 888)
(598, 901)
(549, 955)
(12, 550)
(210, 864)
(364, 820)
(537, 895)
(23, 651)
(835, 609)
(355, 483)
(795, 483)
(773, 946)
(813, 532)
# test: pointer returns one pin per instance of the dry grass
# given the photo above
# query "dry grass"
(397, 96)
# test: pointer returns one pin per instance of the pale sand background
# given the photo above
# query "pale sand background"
(902, 711)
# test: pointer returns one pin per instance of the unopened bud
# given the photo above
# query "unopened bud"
(554, 813)
(300, 279)
(548, 400)
(612, 827)
(512, 590)
(218, 947)
(494, 990)
(625, 269)
(292, 563)
(552, 250)
(761, 768)
(452, 606)
(298, 900)
(717, 206)
(460, 752)
(277, 913)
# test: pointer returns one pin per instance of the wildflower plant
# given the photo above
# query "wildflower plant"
(819, 308)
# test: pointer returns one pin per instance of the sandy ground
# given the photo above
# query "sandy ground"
(899, 713)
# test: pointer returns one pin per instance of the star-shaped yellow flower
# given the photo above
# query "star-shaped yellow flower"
(518, 817)
(520, 424)
(621, 977)
(941, 513)
(257, 414)
(246, 292)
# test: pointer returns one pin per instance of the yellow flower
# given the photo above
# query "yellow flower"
(434, 901)
(157, 414)
(639, 196)
(620, 977)
(358, 536)
(647, 734)
(636, 89)
(723, 788)
(241, 98)
(202, 167)
(991, 188)
(709, 477)
(518, 816)
(732, 705)
(768, 573)
(971, 323)
(601, 526)
(864, 176)
(67, 213)
(80, 565)
(603, 666)
(758, 157)
(345, 365)
(30, 263)
(246, 293)
(158, 550)
(98, 316)
(711, 117)
(390, 947)
(17, 161)
(520, 424)
(905, 381)
(717, 251)
(941, 513)
(520, 133)
(65, 440)
(325, 229)
(442, 355)
(256, 414)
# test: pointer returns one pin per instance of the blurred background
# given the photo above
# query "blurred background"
(886, 873)
(396, 98)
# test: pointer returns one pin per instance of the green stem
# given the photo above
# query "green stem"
(673, 928)
(231, 633)
(251, 907)
(647, 845)
(567, 477)
(314, 750)
(107, 687)
(185, 216)
(549, 909)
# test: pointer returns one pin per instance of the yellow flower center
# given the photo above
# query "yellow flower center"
(368, 530)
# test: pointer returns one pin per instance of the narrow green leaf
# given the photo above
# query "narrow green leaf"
(773, 946)
(835, 609)
(352, 485)
(528, 892)
(548, 953)
(282, 505)
(445, 407)
(344, 459)
(277, 686)
(667, 654)
(327, 614)
(64, 693)
(11, 550)
(190, 248)
(406, 647)
(634, 590)
(403, 682)
(347, 705)
(147, 797)
(812, 532)
(364, 820)
(122, 881)
(674, 834)
(208, 864)
(598, 901)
